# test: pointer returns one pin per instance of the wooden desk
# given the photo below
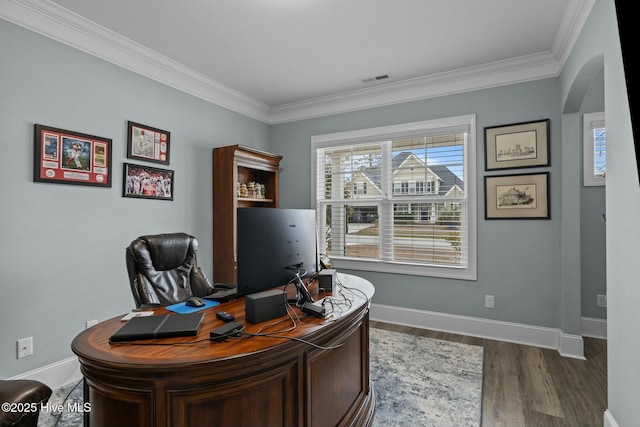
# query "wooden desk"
(253, 382)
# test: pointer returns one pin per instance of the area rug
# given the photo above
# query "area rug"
(63, 407)
(425, 382)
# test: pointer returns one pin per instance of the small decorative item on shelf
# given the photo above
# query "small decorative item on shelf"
(243, 190)
(251, 190)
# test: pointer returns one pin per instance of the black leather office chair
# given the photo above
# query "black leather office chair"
(163, 269)
(28, 395)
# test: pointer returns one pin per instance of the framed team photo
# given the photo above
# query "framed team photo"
(66, 157)
(144, 182)
(148, 143)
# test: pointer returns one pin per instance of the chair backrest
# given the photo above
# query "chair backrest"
(163, 269)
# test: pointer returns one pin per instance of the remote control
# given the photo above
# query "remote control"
(223, 315)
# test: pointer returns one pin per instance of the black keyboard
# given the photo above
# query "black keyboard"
(222, 294)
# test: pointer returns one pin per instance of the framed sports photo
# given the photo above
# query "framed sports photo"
(148, 143)
(66, 157)
(524, 196)
(518, 145)
(144, 182)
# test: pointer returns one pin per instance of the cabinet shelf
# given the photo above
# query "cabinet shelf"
(248, 199)
(232, 165)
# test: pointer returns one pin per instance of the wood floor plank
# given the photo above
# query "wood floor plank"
(502, 395)
(540, 393)
(526, 386)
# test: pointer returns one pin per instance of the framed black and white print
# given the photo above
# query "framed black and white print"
(524, 196)
(518, 145)
(144, 182)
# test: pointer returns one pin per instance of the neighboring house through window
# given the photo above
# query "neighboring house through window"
(399, 198)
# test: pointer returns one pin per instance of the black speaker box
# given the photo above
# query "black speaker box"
(327, 279)
(265, 305)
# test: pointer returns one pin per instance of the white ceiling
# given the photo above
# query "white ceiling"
(287, 59)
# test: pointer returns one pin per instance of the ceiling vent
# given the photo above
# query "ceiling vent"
(376, 78)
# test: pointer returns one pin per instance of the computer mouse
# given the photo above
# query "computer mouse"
(194, 302)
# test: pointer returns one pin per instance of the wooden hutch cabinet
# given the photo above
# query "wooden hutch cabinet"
(242, 177)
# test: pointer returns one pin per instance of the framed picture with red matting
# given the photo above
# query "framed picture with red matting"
(66, 157)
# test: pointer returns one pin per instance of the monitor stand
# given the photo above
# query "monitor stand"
(302, 294)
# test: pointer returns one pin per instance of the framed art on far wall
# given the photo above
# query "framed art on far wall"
(144, 182)
(524, 196)
(148, 143)
(518, 145)
(66, 157)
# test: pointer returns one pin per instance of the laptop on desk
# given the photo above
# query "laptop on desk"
(163, 326)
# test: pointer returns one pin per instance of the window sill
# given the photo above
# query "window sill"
(460, 273)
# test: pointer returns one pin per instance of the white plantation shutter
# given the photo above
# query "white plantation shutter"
(398, 198)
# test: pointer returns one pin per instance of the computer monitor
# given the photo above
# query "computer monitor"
(273, 245)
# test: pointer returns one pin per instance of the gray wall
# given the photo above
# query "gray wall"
(599, 39)
(62, 246)
(593, 231)
(519, 262)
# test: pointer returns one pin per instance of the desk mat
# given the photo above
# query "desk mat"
(183, 308)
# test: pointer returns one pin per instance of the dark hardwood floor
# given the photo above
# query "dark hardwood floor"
(526, 386)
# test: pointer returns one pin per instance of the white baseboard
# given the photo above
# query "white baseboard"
(567, 345)
(609, 421)
(571, 345)
(56, 374)
(594, 328)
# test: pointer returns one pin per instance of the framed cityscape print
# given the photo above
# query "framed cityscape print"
(524, 196)
(144, 182)
(519, 145)
(66, 157)
(148, 143)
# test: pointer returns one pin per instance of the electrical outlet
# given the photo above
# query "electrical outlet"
(90, 323)
(489, 301)
(601, 301)
(25, 347)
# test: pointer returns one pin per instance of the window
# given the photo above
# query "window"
(594, 149)
(419, 213)
(360, 188)
(412, 187)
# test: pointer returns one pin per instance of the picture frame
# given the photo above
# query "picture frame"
(66, 157)
(144, 182)
(521, 196)
(148, 143)
(518, 145)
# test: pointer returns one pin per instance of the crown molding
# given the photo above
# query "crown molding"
(533, 67)
(501, 73)
(57, 23)
(574, 18)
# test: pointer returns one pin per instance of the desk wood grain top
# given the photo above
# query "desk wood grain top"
(92, 345)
